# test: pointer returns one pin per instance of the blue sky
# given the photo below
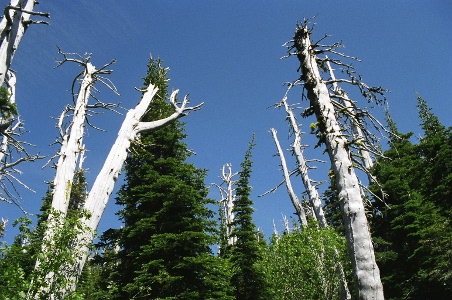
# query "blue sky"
(226, 54)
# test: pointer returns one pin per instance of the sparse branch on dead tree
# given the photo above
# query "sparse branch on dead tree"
(12, 150)
(227, 200)
(293, 197)
(366, 273)
(102, 188)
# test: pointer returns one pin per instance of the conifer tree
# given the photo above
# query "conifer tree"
(165, 244)
(413, 236)
(248, 278)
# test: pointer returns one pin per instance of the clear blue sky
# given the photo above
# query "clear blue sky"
(227, 54)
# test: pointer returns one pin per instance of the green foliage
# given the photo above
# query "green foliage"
(304, 264)
(248, 277)
(165, 246)
(413, 238)
(7, 109)
(18, 277)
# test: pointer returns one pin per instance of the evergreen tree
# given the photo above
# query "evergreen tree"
(248, 277)
(413, 237)
(165, 244)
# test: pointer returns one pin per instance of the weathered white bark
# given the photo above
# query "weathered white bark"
(102, 188)
(72, 145)
(359, 137)
(311, 190)
(5, 123)
(293, 197)
(12, 28)
(365, 270)
(227, 200)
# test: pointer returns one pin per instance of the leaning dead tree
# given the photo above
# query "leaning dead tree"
(103, 186)
(227, 200)
(293, 197)
(71, 146)
(338, 145)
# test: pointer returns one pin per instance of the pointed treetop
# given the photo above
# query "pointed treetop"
(430, 123)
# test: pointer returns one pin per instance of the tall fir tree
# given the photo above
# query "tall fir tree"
(413, 237)
(168, 229)
(248, 278)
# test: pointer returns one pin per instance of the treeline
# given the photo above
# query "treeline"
(166, 249)
(174, 246)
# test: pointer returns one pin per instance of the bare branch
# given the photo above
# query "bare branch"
(17, 8)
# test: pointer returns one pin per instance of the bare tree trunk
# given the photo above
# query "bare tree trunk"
(12, 28)
(366, 273)
(293, 197)
(227, 200)
(102, 188)
(313, 194)
(71, 145)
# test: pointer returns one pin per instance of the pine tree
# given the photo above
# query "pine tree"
(248, 277)
(413, 237)
(165, 244)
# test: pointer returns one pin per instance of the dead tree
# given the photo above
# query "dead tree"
(15, 22)
(302, 163)
(366, 273)
(13, 25)
(103, 186)
(71, 141)
(227, 200)
(293, 197)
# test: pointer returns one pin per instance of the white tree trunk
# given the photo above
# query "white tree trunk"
(12, 28)
(313, 194)
(103, 186)
(365, 270)
(228, 202)
(11, 34)
(71, 145)
(293, 197)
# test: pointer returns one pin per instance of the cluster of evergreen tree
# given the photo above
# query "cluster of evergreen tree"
(165, 251)
(413, 236)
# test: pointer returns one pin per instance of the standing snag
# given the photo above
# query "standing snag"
(366, 273)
